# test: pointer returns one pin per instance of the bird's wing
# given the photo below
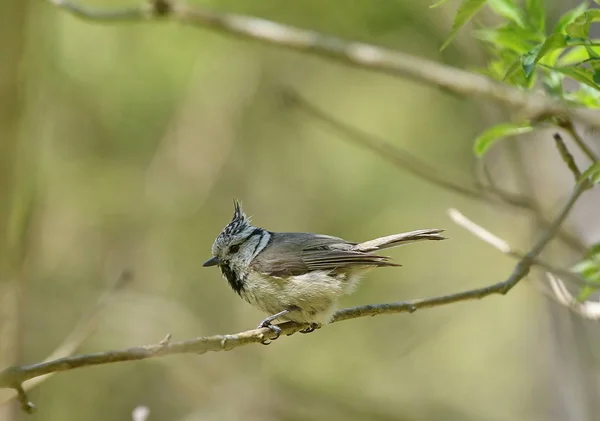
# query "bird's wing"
(339, 259)
(293, 254)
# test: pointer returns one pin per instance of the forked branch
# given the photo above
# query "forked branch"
(14, 377)
(406, 161)
(356, 54)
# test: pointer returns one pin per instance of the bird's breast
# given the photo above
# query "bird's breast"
(265, 292)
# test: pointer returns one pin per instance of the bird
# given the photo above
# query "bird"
(298, 276)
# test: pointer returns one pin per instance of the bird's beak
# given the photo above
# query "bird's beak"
(212, 262)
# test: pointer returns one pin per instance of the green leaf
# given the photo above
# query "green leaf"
(580, 26)
(590, 271)
(579, 74)
(530, 59)
(486, 139)
(585, 95)
(581, 51)
(506, 39)
(512, 69)
(592, 174)
(573, 55)
(536, 15)
(594, 250)
(586, 267)
(465, 12)
(585, 292)
(569, 17)
(509, 10)
(591, 52)
(553, 84)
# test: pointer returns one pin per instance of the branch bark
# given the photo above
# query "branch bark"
(14, 377)
(353, 53)
(84, 328)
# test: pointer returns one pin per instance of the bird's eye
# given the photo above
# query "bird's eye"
(234, 249)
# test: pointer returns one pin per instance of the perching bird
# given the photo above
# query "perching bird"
(297, 276)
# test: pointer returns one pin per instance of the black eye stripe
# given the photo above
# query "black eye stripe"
(262, 234)
(236, 247)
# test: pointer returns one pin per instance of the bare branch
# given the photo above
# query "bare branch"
(570, 128)
(26, 404)
(566, 156)
(13, 377)
(396, 155)
(414, 165)
(357, 54)
(84, 328)
(505, 248)
(587, 309)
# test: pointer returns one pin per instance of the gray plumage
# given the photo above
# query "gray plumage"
(298, 276)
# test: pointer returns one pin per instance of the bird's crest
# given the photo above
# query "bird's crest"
(239, 222)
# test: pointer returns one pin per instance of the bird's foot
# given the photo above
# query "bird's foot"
(311, 328)
(274, 328)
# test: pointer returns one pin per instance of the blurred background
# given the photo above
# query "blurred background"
(122, 148)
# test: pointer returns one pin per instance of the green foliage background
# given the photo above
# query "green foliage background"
(122, 148)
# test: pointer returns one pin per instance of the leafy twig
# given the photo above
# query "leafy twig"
(84, 328)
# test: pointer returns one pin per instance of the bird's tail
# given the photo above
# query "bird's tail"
(396, 240)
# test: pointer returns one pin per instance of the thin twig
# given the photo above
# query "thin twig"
(406, 161)
(13, 377)
(394, 154)
(26, 404)
(570, 128)
(580, 188)
(357, 54)
(588, 309)
(84, 328)
(504, 247)
(566, 156)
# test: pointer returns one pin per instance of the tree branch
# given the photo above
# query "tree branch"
(357, 54)
(588, 309)
(398, 156)
(84, 328)
(566, 156)
(505, 248)
(13, 377)
(405, 160)
(570, 128)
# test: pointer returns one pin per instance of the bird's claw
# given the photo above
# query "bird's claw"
(311, 328)
(274, 328)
